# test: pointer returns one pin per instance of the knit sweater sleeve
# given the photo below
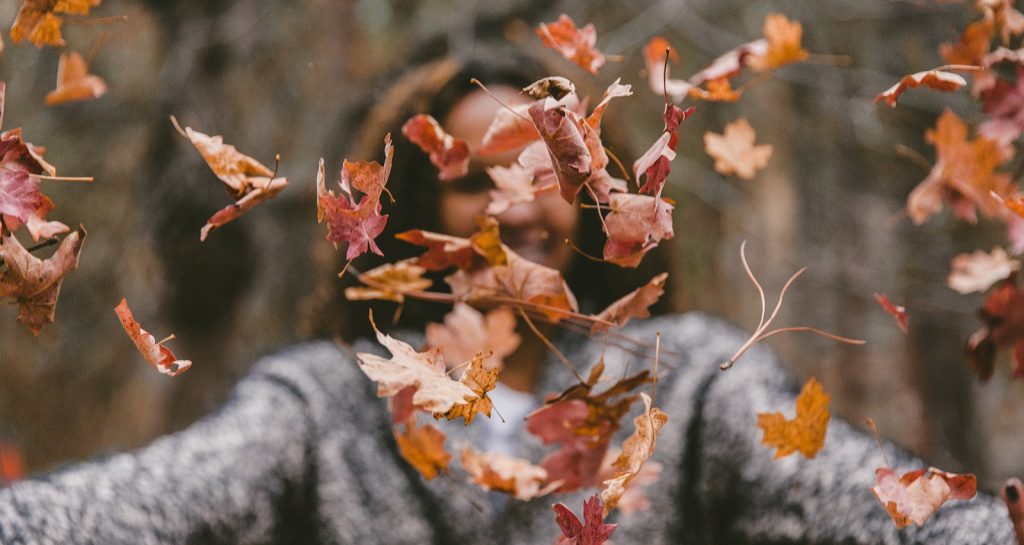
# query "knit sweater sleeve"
(240, 475)
(732, 491)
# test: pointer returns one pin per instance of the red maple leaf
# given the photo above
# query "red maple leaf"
(655, 162)
(360, 223)
(590, 531)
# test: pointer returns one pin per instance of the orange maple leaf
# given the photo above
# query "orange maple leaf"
(636, 450)
(74, 82)
(964, 174)
(423, 448)
(38, 22)
(390, 282)
(480, 380)
(784, 47)
(806, 432)
(575, 44)
(933, 79)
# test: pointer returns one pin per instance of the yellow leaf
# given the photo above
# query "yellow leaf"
(806, 432)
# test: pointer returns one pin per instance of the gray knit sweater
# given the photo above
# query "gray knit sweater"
(303, 453)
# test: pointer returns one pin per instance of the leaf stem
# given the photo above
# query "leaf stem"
(547, 342)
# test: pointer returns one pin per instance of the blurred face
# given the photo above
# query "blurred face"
(535, 230)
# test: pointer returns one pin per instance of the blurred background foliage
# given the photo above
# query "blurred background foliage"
(283, 76)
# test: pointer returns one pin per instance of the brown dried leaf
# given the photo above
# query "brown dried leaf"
(390, 282)
(575, 44)
(423, 448)
(806, 432)
(933, 79)
(156, 354)
(633, 305)
(74, 82)
(502, 473)
(466, 331)
(33, 283)
(636, 450)
(734, 151)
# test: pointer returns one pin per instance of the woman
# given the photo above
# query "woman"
(303, 452)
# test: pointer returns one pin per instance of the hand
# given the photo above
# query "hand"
(1013, 495)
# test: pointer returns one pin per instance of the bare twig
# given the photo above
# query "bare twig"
(547, 342)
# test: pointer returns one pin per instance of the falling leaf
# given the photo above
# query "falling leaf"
(34, 283)
(245, 178)
(1003, 316)
(784, 47)
(636, 450)
(933, 79)
(435, 392)
(582, 423)
(502, 473)
(658, 72)
(563, 136)
(443, 251)
(655, 162)
(357, 224)
(423, 448)
(466, 331)
(74, 82)
(972, 46)
(636, 224)
(964, 174)
(634, 499)
(915, 496)
(734, 151)
(555, 87)
(21, 202)
(12, 463)
(806, 432)
(590, 531)
(898, 312)
(449, 154)
(510, 130)
(978, 271)
(633, 305)
(513, 185)
(156, 354)
(480, 380)
(575, 44)
(390, 282)
(38, 22)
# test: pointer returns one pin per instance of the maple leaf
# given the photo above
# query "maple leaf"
(443, 251)
(806, 432)
(783, 37)
(972, 46)
(34, 283)
(583, 424)
(655, 162)
(658, 70)
(358, 224)
(898, 312)
(513, 185)
(423, 448)
(590, 531)
(503, 473)
(74, 82)
(964, 174)
(449, 154)
(563, 136)
(632, 305)
(636, 450)
(575, 44)
(155, 353)
(480, 380)
(38, 22)
(245, 178)
(915, 496)
(636, 224)
(1003, 316)
(466, 331)
(21, 202)
(734, 151)
(510, 130)
(634, 498)
(435, 392)
(390, 282)
(978, 271)
(933, 79)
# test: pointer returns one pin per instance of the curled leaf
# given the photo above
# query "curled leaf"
(636, 225)
(633, 305)
(933, 79)
(449, 154)
(74, 82)
(898, 312)
(155, 353)
(575, 44)
(978, 271)
(636, 450)
(34, 283)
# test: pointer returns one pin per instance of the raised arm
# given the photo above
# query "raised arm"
(234, 477)
(739, 494)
